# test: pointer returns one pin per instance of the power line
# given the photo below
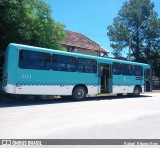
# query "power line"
(100, 35)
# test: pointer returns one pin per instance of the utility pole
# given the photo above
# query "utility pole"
(131, 37)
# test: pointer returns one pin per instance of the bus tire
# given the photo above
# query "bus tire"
(79, 93)
(136, 91)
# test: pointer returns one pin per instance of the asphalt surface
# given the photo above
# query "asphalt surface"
(107, 117)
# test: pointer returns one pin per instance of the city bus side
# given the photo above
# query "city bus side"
(29, 81)
(47, 82)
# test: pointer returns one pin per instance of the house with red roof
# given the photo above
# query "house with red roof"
(79, 43)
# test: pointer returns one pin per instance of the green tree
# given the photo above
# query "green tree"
(29, 22)
(137, 25)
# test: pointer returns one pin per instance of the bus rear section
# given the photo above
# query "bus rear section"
(39, 71)
(9, 69)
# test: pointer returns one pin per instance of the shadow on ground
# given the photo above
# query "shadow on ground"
(12, 101)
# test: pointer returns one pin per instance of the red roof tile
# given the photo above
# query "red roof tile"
(79, 40)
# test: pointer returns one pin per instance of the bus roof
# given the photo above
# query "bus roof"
(102, 59)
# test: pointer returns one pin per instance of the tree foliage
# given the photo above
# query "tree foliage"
(29, 22)
(137, 25)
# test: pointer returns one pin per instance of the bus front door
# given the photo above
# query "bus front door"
(104, 78)
(147, 80)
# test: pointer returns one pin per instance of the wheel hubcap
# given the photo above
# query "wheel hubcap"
(80, 93)
(137, 91)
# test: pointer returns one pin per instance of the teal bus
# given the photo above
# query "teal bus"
(39, 71)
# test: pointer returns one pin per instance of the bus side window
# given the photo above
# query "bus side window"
(127, 69)
(63, 63)
(34, 60)
(138, 70)
(116, 68)
(86, 65)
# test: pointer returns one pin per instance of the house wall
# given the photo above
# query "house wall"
(83, 51)
(86, 51)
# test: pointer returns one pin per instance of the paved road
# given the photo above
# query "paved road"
(101, 117)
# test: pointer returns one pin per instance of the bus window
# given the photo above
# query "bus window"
(86, 65)
(127, 69)
(63, 63)
(34, 60)
(116, 68)
(138, 70)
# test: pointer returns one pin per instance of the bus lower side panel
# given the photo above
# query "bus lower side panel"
(46, 90)
(124, 89)
(61, 89)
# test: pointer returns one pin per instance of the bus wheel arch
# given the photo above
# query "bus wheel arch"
(79, 92)
(137, 90)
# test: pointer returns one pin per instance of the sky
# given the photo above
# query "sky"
(90, 17)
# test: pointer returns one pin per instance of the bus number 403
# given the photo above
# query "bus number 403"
(26, 76)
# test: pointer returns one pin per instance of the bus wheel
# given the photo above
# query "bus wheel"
(136, 91)
(79, 93)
